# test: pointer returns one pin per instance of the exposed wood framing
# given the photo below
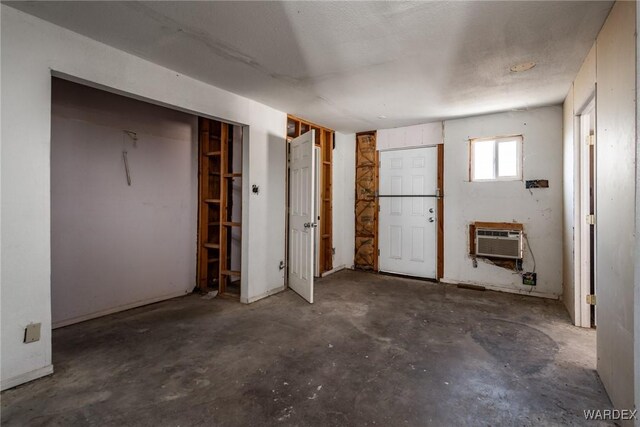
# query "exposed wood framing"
(215, 201)
(324, 139)
(366, 206)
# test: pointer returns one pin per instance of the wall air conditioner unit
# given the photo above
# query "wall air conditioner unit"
(499, 243)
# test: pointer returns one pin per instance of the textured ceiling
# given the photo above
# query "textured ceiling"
(346, 64)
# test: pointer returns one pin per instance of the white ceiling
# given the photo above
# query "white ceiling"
(345, 64)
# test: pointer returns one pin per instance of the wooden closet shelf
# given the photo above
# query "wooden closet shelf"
(213, 260)
(208, 134)
(232, 175)
(326, 163)
(212, 245)
(230, 273)
(212, 153)
(231, 224)
(326, 236)
(212, 200)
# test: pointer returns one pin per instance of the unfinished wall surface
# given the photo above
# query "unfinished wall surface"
(115, 246)
(615, 206)
(366, 203)
(25, 169)
(540, 210)
(344, 176)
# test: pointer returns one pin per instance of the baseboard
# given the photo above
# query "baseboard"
(261, 296)
(500, 288)
(334, 270)
(26, 377)
(118, 309)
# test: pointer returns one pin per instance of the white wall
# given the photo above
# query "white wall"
(580, 94)
(611, 65)
(409, 136)
(30, 50)
(568, 254)
(344, 184)
(109, 241)
(637, 254)
(615, 201)
(540, 210)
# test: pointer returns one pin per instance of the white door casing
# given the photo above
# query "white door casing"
(408, 224)
(301, 214)
(583, 238)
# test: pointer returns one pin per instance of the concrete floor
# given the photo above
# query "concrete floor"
(372, 350)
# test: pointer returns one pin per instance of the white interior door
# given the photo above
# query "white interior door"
(302, 222)
(408, 208)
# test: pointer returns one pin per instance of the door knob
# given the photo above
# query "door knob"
(431, 219)
(310, 225)
(430, 210)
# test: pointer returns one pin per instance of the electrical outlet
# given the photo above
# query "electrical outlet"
(529, 279)
(32, 333)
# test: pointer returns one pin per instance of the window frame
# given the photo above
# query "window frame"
(497, 140)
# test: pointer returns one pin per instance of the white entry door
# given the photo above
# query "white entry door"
(408, 207)
(302, 222)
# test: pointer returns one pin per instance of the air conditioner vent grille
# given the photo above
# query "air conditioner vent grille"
(499, 243)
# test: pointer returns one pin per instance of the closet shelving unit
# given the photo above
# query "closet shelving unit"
(217, 217)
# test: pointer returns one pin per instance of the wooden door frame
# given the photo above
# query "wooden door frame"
(440, 219)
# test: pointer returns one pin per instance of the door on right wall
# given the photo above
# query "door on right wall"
(408, 208)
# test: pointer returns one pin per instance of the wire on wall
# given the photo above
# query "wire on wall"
(134, 137)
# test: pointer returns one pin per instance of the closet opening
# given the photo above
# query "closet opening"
(220, 207)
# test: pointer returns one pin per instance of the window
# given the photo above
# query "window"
(496, 159)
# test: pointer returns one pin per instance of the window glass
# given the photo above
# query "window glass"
(483, 155)
(496, 159)
(507, 158)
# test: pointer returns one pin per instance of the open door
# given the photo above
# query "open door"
(302, 222)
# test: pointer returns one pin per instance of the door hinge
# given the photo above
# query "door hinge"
(591, 299)
(591, 140)
(591, 219)
(378, 252)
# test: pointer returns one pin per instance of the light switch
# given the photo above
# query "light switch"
(32, 333)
